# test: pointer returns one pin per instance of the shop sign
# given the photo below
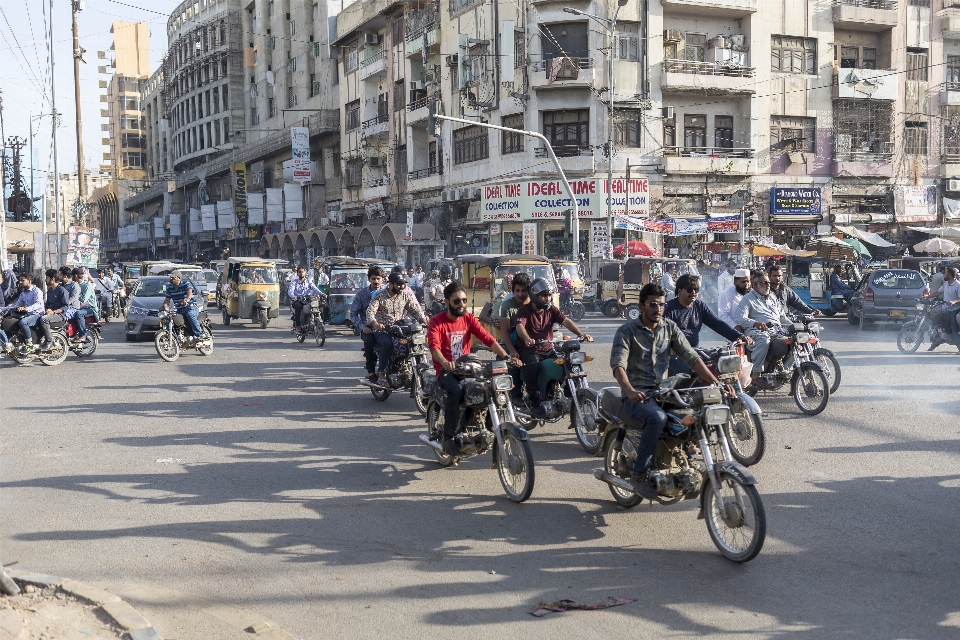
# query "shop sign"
(530, 238)
(240, 192)
(795, 201)
(915, 204)
(548, 199)
(494, 229)
(598, 235)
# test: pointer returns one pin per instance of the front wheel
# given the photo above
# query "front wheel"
(262, 318)
(745, 436)
(301, 336)
(735, 518)
(206, 346)
(632, 312)
(515, 467)
(810, 389)
(320, 334)
(909, 338)
(577, 310)
(615, 463)
(831, 368)
(167, 346)
(585, 421)
(58, 353)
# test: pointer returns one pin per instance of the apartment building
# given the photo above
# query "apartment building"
(156, 130)
(131, 64)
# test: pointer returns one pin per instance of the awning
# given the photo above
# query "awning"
(832, 248)
(762, 250)
(856, 244)
(864, 236)
(944, 232)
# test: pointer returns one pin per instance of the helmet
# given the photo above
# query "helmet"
(538, 287)
(446, 271)
(397, 277)
(397, 269)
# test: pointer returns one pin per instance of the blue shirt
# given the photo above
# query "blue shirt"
(31, 298)
(691, 319)
(301, 289)
(178, 294)
(358, 310)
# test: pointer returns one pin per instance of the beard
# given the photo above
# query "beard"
(742, 291)
(458, 311)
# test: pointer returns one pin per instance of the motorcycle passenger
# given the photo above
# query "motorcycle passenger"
(105, 288)
(937, 279)
(72, 288)
(838, 286)
(762, 318)
(298, 292)
(449, 335)
(729, 299)
(950, 292)
(58, 307)
(666, 280)
(8, 287)
(118, 286)
(180, 291)
(565, 287)
(387, 307)
(505, 314)
(534, 322)
(432, 291)
(358, 316)
(788, 298)
(640, 358)
(29, 302)
(88, 303)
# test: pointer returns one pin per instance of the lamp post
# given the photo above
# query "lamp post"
(610, 26)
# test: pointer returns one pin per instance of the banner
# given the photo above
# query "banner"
(529, 238)
(300, 142)
(547, 199)
(255, 208)
(158, 230)
(240, 192)
(175, 231)
(83, 247)
(225, 216)
(915, 204)
(951, 209)
(795, 201)
(274, 205)
(408, 234)
(208, 217)
(292, 201)
(598, 235)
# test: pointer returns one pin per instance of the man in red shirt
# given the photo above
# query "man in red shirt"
(534, 322)
(449, 335)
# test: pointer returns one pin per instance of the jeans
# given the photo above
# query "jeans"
(384, 351)
(451, 405)
(28, 321)
(530, 372)
(3, 338)
(654, 422)
(955, 327)
(370, 350)
(81, 317)
(190, 314)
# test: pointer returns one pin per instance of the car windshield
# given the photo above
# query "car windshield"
(535, 271)
(258, 275)
(151, 288)
(570, 270)
(210, 275)
(133, 272)
(897, 280)
(350, 279)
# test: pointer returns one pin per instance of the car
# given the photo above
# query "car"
(211, 277)
(886, 294)
(143, 312)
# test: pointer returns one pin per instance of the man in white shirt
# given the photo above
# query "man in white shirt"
(936, 280)
(725, 279)
(667, 281)
(729, 298)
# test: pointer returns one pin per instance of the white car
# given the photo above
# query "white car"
(211, 276)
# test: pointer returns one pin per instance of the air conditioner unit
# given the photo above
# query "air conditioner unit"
(452, 60)
(445, 196)
(718, 43)
(463, 194)
(953, 185)
(672, 35)
(737, 39)
(371, 38)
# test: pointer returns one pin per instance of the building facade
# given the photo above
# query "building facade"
(131, 64)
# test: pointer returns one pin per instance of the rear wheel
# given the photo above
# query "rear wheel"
(89, 347)
(616, 464)
(380, 395)
(515, 467)
(745, 434)
(810, 389)
(585, 420)
(831, 368)
(735, 519)
(632, 312)
(577, 310)
(58, 353)
(167, 346)
(909, 337)
(262, 318)
(320, 334)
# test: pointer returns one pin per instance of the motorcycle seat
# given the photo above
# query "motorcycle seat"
(56, 323)
(612, 403)
(779, 347)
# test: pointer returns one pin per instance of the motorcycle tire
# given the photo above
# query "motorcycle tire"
(59, 352)
(577, 310)
(810, 389)
(208, 349)
(262, 318)
(419, 397)
(88, 348)
(632, 312)
(828, 362)
(625, 499)
(167, 348)
(435, 432)
(380, 395)
(740, 512)
(909, 338)
(514, 462)
(301, 336)
(320, 334)
(746, 437)
(852, 318)
(584, 421)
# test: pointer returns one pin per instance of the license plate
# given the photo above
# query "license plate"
(419, 339)
(896, 313)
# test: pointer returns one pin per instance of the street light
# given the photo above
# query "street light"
(610, 26)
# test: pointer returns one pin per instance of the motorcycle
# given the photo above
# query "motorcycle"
(572, 308)
(172, 337)
(19, 353)
(89, 346)
(931, 322)
(410, 361)
(820, 354)
(692, 460)
(790, 360)
(315, 325)
(118, 303)
(487, 422)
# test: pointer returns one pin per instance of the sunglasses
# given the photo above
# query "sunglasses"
(692, 289)
(656, 305)
(458, 302)
(763, 282)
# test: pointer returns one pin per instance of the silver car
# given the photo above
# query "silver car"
(146, 298)
(887, 294)
(210, 288)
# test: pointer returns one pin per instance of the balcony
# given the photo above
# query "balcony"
(377, 188)
(725, 8)
(715, 160)
(865, 15)
(866, 84)
(374, 66)
(707, 78)
(950, 19)
(424, 179)
(376, 127)
(873, 160)
(560, 73)
(418, 111)
(573, 159)
(415, 40)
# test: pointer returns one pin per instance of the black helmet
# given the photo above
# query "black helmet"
(397, 277)
(537, 288)
(446, 271)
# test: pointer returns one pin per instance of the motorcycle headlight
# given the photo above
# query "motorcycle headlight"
(501, 399)
(716, 415)
(729, 364)
(815, 327)
(803, 337)
(503, 383)
(578, 357)
(920, 307)
(261, 295)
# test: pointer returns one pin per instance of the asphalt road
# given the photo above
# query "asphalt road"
(263, 483)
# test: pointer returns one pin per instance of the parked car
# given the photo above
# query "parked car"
(143, 314)
(886, 294)
(211, 277)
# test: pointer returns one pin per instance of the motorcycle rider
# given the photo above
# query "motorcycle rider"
(88, 302)
(937, 279)
(950, 292)
(29, 302)
(105, 287)
(788, 298)
(358, 316)
(300, 288)
(729, 299)
(449, 335)
(432, 290)
(58, 306)
(118, 285)
(387, 307)
(762, 317)
(534, 322)
(181, 292)
(639, 358)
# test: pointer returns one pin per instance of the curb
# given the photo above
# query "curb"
(122, 614)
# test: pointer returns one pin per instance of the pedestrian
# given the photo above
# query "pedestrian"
(725, 279)
(950, 292)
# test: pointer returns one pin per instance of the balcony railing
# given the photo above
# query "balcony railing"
(951, 86)
(708, 68)
(378, 182)
(569, 67)
(379, 55)
(417, 104)
(883, 153)
(950, 156)
(420, 21)
(425, 173)
(708, 152)
(951, 4)
(380, 119)
(565, 150)
(869, 4)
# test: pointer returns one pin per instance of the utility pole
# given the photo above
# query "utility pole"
(56, 166)
(78, 51)
(3, 205)
(15, 144)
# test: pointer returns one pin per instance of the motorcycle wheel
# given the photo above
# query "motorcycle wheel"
(810, 389)
(320, 334)
(746, 437)
(737, 521)
(625, 499)
(831, 368)
(206, 350)
(301, 336)
(909, 338)
(262, 318)
(59, 352)
(380, 395)
(515, 467)
(89, 347)
(419, 397)
(577, 310)
(632, 312)
(167, 348)
(435, 431)
(584, 422)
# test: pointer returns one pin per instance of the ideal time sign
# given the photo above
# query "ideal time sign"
(548, 199)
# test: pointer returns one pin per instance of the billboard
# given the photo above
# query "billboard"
(796, 201)
(915, 204)
(300, 143)
(530, 200)
(83, 247)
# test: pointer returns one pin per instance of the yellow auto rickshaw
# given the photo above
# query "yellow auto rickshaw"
(571, 269)
(251, 291)
(130, 274)
(634, 274)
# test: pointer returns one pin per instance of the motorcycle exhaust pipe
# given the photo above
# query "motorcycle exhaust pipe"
(373, 385)
(609, 478)
(425, 439)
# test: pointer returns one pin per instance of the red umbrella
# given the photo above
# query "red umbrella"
(636, 247)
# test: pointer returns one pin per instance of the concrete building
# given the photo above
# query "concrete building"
(131, 64)
(69, 192)
(156, 130)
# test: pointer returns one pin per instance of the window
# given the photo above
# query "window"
(950, 119)
(270, 8)
(803, 131)
(400, 164)
(396, 30)
(382, 107)
(915, 138)
(793, 55)
(694, 132)
(353, 115)
(293, 27)
(917, 64)
(953, 73)
(564, 39)
(478, 63)
(695, 47)
(519, 56)
(354, 174)
(670, 132)
(293, 65)
(862, 126)
(858, 57)
(316, 11)
(470, 144)
(351, 58)
(254, 116)
(314, 85)
(399, 96)
(567, 131)
(130, 140)
(723, 132)
(456, 6)
(626, 128)
(291, 97)
(512, 142)
(432, 158)
(273, 43)
(628, 42)
(272, 107)
(135, 160)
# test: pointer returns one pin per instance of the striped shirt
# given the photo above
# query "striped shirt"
(178, 293)
(389, 310)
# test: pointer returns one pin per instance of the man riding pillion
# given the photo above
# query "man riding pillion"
(762, 317)
(358, 316)
(788, 298)
(88, 303)
(387, 308)
(449, 335)
(29, 302)
(182, 293)
(505, 314)
(640, 358)
(534, 322)
(729, 298)
(105, 286)
(298, 292)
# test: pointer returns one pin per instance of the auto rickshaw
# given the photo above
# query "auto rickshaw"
(632, 276)
(251, 291)
(347, 275)
(810, 279)
(484, 278)
(572, 270)
(130, 274)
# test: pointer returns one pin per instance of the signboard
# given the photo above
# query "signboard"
(83, 247)
(494, 229)
(547, 199)
(795, 201)
(598, 235)
(240, 192)
(300, 142)
(529, 238)
(408, 234)
(915, 204)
